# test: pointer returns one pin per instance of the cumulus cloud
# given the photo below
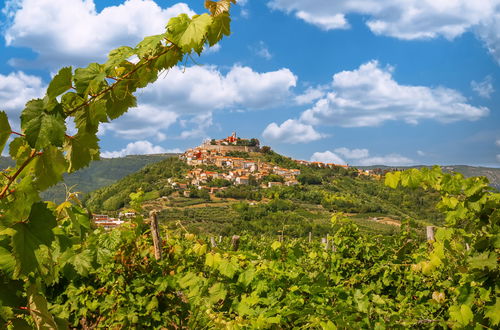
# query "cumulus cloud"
(291, 131)
(483, 88)
(360, 157)
(410, 19)
(369, 96)
(352, 153)
(389, 160)
(498, 142)
(199, 89)
(421, 153)
(194, 93)
(16, 89)
(310, 95)
(68, 32)
(141, 147)
(327, 157)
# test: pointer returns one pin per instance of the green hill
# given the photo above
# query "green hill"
(99, 174)
(296, 210)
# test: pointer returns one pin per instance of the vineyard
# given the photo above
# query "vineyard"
(57, 271)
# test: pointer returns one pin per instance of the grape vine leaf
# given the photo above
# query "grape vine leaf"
(60, 83)
(461, 314)
(217, 8)
(81, 149)
(392, 179)
(188, 33)
(39, 310)
(30, 235)
(118, 55)
(493, 312)
(89, 79)
(5, 130)
(217, 292)
(219, 28)
(49, 168)
(7, 261)
(44, 130)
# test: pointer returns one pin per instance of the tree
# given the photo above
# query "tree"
(44, 151)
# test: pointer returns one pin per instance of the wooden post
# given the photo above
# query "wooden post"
(235, 242)
(156, 234)
(220, 238)
(430, 233)
(325, 242)
(310, 237)
(212, 242)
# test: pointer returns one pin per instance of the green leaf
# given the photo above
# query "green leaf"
(392, 179)
(90, 79)
(219, 28)
(149, 45)
(493, 312)
(60, 83)
(120, 100)
(49, 168)
(32, 111)
(30, 235)
(5, 130)
(483, 260)
(188, 33)
(118, 55)
(461, 314)
(217, 292)
(227, 268)
(81, 149)
(45, 130)
(194, 35)
(7, 262)
(276, 245)
(39, 310)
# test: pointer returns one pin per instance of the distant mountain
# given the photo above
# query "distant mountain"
(98, 174)
(493, 174)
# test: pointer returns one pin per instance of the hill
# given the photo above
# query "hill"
(280, 196)
(98, 174)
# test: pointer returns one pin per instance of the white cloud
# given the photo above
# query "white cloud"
(497, 142)
(194, 93)
(498, 157)
(201, 89)
(361, 157)
(142, 122)
(421, 153)
(262, 50)
(327, 157)
(198, 126)
(483, 88)
(352, 153)
(409, 19)
(142, 147)
(72, 32)
(369, 96)
(16, 89)
(488, 31)
(291, 131)
(389, 160)
(310, 95)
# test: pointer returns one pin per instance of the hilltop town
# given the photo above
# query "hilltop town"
(223, 155)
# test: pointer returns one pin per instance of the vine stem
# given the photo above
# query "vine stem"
(13, 178)
(118, 80)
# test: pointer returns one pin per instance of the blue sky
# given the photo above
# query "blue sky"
(359, 82)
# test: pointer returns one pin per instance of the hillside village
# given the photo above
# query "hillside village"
(237, 170)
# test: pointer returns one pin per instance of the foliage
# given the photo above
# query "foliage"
(41, 244)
